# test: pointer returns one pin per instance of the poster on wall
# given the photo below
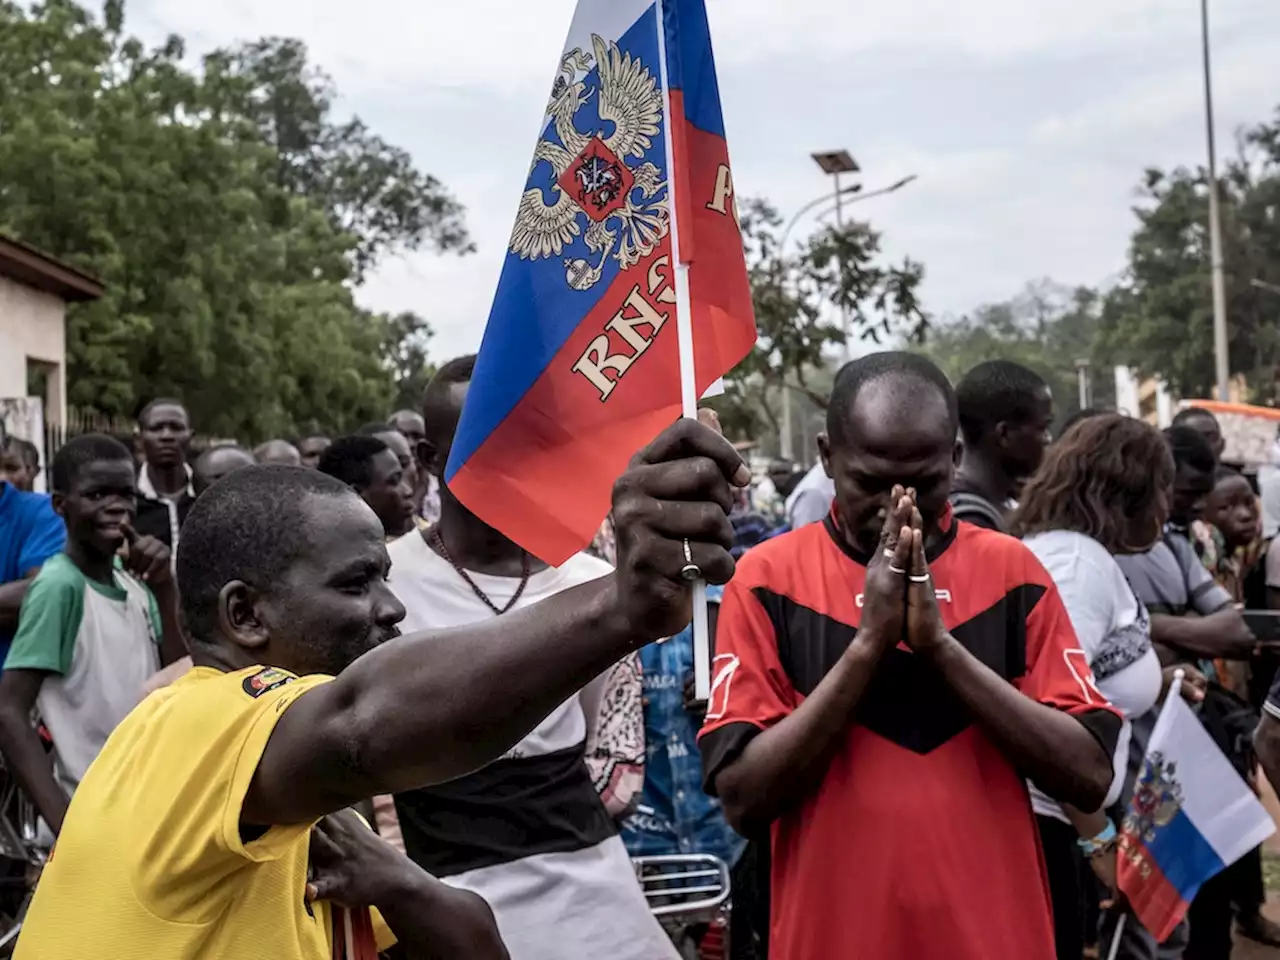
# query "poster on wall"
(23, 419)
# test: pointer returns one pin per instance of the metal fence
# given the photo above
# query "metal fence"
(80, 422)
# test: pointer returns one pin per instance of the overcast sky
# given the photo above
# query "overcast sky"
(1028, 122)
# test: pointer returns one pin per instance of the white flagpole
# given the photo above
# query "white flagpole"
(1115, 941)
(1175, 690)
(684, 332)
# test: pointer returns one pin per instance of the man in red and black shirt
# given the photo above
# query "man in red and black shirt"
(884, 684)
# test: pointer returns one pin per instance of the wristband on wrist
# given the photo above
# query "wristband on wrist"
(1095, 845)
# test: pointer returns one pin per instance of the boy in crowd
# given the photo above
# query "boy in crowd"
(91, 631)
(372, 469)
(405, 450)
(1005, 414)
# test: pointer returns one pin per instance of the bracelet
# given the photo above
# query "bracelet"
(1099, 844)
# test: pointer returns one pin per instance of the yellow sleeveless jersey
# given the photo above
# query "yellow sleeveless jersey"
(150, 864)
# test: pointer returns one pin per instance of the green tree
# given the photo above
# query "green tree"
(369, 188)
(405, 344)
(1047, 327)
(1159, 319)
(799, 299)
(224, 286)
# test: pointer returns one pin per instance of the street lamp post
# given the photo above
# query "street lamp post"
(840, 162)
(834, 163)
(1215, 221)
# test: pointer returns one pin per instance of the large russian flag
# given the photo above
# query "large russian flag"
(1191, 817)
(579, 367)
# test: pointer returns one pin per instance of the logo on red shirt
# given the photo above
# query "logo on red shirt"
(723, 668)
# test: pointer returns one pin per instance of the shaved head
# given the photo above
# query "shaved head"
(892, 420)
(280, 453)
(216, 462)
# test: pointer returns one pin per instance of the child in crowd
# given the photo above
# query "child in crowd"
(1230, 545)
(93, 629)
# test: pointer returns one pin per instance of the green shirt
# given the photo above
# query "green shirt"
(98, 644)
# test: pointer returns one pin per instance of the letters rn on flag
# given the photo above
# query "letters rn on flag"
(1191, 817)
(579, 367)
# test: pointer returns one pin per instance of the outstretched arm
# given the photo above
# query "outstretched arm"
(1222, 633)
(427, 708)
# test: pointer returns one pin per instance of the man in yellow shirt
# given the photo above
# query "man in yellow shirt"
(188, 837)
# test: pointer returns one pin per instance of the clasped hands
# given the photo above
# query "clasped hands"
(899, 603)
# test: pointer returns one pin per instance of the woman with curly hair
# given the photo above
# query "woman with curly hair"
(1103, 489)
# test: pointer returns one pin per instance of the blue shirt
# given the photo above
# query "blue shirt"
(30, 533)
(674, 815)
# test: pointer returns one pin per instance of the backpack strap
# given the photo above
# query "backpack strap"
(966, 505)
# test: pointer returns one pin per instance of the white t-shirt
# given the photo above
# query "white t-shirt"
(99, 644)
(810, 501)
(527, 832)
(1113, 629)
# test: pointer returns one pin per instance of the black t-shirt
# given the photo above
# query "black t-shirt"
(155, 520)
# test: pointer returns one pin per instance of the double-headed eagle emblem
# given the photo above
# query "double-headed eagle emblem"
(1157, 797)
(625, 217)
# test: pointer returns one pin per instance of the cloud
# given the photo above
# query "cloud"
(1028, 123)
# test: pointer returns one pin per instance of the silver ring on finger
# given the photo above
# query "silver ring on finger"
(889, 552)
(690, 571)
(897, 570)
(919, 578)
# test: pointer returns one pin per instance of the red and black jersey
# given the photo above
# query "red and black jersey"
(920, 843)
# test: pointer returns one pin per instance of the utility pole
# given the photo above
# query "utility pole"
(787, 441)
(1082, 381)
(1220, 358)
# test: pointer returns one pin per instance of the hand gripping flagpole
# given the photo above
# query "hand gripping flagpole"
(684, 332)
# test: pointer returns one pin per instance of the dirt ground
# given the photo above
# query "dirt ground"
(1245, 949)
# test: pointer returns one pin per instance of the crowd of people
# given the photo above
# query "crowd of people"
(938, 659)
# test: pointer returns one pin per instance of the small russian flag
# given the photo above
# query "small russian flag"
(1191, 817)
(580, 365)
(353, 937)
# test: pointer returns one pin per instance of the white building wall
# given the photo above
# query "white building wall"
(33, 327)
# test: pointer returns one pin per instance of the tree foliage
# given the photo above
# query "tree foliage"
(405, 346)
(1159, 319)
(368, 187)
(1047, 327)
(228, 215)
(800, 298)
